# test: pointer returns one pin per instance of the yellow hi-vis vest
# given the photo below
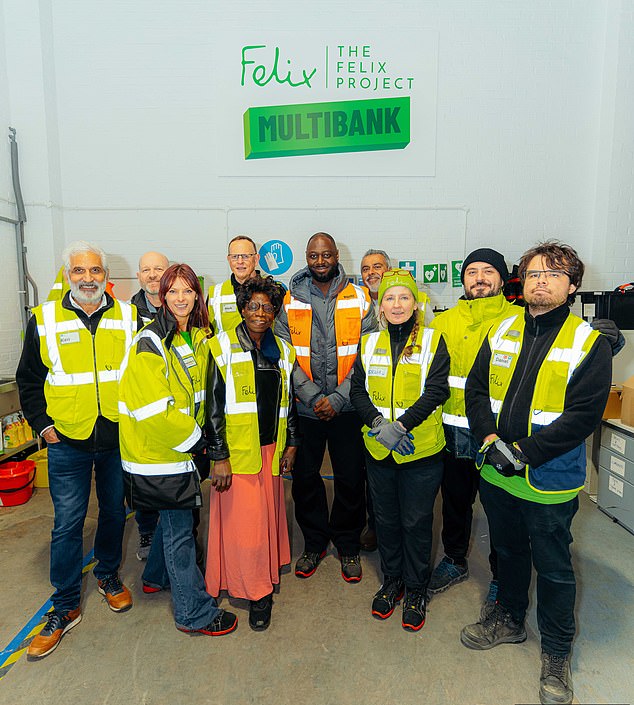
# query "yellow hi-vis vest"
(351, 306)
(241, 410)
(222, 306)
(162, 403)
(566, 473)
(83, 371)
(393, 396)
(59, 288)
(465, 326)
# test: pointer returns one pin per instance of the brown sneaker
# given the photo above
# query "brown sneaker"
(117, 594)
(52, 633)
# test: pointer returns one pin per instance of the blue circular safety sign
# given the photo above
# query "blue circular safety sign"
(276, 257)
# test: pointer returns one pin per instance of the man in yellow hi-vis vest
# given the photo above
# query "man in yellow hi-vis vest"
(68, 378)
(243, 259)
(536, 391)
(324, 316)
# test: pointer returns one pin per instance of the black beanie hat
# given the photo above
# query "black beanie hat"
(485, 254)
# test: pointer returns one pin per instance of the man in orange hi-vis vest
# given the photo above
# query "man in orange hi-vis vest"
(324, 317)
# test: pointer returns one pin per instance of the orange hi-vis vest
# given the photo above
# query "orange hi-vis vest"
(353, 302)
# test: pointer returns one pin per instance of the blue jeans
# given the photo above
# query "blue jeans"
(524, 534)
(403, 496)
(172, 563)
(70, 479)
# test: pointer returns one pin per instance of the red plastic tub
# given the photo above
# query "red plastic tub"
(16, 483)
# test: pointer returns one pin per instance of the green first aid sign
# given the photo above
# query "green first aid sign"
(456, 269)
(434, 273)
(326, 128)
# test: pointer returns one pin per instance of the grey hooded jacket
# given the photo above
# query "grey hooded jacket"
(323, 344)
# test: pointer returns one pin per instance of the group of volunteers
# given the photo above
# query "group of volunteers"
(253, 381)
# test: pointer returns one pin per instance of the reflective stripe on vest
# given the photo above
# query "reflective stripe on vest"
(149, 470)
(241, 409)
(571, 345)
(223, 308)
(560, 475)
(351, 306)
(382, 386)
(73, 356)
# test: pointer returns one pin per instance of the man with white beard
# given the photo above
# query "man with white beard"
(68, 379)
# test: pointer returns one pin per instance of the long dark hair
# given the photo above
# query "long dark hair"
(199, 317)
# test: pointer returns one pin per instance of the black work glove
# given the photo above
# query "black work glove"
(607, 327)
(506, 458)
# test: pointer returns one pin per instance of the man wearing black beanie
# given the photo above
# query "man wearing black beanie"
(483, 275)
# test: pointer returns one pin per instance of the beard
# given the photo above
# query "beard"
(374, 285)
(485, 293)
(152, 288)
(87, 296)
(323, 277)
(543, 304)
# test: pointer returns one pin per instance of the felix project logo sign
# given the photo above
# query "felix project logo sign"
(325, 127)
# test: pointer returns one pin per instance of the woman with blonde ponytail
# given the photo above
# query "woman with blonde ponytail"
(398, 387)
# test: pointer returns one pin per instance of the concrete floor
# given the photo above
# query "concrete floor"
(323, 646)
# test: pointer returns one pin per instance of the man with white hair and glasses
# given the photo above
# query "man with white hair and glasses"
(68, 379)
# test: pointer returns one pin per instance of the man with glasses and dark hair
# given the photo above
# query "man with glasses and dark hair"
(243, 259)
(537, 389)
(324, 318)
(68, 378)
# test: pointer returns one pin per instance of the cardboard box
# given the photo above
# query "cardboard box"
(627, 402)
(613, 406)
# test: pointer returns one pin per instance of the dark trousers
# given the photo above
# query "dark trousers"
(404, 496)
(525, 532)
(459, 488)
(347, 515)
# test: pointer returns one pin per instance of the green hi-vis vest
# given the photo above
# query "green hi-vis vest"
(241, 410)
(465, 326)
(83, 371)
(222, 306)
(392, 397)
(566, 473)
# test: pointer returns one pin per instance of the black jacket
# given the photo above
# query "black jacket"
(586, 394)
(144, 315)
(267, 391)
(31, 375)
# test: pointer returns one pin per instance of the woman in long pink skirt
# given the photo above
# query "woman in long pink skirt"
(251, 426)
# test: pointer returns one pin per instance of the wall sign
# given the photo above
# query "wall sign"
(276, 257)
(434, 273)
(409, 265)
(456, 269)
(352, 103)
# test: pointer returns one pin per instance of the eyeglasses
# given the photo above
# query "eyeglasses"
(397, 273)
(256, 306)
(236, 258)
(80, 271)
(552, 274)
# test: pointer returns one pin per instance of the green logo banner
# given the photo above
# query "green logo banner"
(326, 128)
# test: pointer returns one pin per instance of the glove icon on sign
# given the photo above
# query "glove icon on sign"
(274, 258)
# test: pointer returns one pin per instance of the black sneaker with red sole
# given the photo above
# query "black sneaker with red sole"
(387, 597)
(307, 563)
(224, 623)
